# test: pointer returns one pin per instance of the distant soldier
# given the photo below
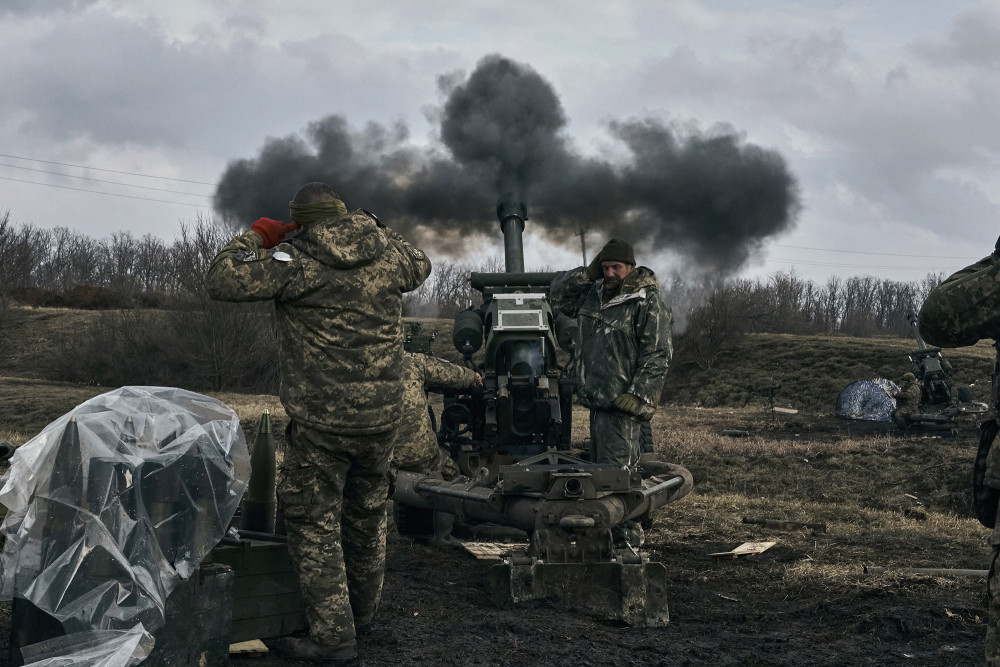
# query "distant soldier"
(337, 288)
(907, 400)
(625, 347)
(962, 310)
(416, 448)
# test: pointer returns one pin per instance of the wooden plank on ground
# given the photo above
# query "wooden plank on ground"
(491, 550)
(252, 647)
(745, 549)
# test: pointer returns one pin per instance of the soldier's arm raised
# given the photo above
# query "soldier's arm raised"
(965, 307)
(244, 271)
(414, 262)
(569, 289)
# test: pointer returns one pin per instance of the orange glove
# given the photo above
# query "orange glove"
(273, 231)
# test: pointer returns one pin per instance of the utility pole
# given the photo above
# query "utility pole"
(583, 243)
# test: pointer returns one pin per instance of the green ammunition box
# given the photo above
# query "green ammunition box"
(266, 597)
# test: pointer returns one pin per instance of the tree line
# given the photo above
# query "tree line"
(158, 326)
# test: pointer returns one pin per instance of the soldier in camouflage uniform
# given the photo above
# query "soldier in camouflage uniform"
(962, 310)
(416, 448)
(624, 348)
(907, 400)
(337, 288)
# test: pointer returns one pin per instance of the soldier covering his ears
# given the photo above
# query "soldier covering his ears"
(337, 289)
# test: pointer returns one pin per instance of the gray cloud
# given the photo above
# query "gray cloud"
(502, 129)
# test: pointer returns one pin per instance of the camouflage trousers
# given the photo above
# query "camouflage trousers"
(993, 617)
(333, 490)
(614, 437)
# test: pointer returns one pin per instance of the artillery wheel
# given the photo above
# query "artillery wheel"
(413, 521)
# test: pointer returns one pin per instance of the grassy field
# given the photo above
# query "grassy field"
(883, 499)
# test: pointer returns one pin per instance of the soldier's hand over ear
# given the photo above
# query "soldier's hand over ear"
(273, 231)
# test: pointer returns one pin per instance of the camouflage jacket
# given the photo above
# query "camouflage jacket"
(337, 287)
(625, 345)
(416, 443)
(907, 398)
(962, 310)
(965, 308)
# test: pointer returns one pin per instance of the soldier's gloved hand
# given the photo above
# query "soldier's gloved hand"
(629, 403)
(273, 231)
(594, 271)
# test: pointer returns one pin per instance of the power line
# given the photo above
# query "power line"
(98, 192)
(926, 269)
(98, 180)
(862, 252)
(111, 171)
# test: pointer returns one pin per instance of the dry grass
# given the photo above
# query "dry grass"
(886, 499)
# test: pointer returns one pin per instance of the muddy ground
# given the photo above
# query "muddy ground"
(767, 609)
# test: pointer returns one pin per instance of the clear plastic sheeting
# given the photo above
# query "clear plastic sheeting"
(106, 648)
(867, 400)
(115, 502)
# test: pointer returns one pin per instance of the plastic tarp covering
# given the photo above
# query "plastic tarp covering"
(115, 502)
(106, 648)
(867, 400)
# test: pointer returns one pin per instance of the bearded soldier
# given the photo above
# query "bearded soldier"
(625, 347)
(337, 287)
(962, 310)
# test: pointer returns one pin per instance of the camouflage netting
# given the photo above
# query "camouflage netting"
(867, 400)
(112, 504)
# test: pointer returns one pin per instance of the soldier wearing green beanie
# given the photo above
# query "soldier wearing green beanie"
(625, 346)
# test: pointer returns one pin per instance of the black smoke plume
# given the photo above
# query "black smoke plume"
(708, 196)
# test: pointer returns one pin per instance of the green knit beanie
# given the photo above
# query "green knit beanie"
(618, 250)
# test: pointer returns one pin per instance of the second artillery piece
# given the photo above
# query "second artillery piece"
(511, 439)
(940, 407)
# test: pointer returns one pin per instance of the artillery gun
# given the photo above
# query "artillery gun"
(940, 407)
(511, 439)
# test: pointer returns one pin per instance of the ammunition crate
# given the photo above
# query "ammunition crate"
(266, 597)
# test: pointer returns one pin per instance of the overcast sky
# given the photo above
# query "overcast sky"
(885, 112)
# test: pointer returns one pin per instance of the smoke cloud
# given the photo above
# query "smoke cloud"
(708, 196)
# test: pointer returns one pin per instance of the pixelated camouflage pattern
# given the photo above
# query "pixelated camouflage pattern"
(614, 438)
(416, 448)
(992, 647)
(965, 308)
(333, 490)
(907, 402)
(625, 344)
(962, 310)
(338, 301)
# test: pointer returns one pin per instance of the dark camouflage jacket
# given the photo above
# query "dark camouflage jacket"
(416, 444)
(625, 345)
(962, 310)
(337, 287)
(965, 308)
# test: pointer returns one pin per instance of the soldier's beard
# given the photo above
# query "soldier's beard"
(612, 286)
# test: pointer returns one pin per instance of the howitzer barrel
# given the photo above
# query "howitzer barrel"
(512, 214)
